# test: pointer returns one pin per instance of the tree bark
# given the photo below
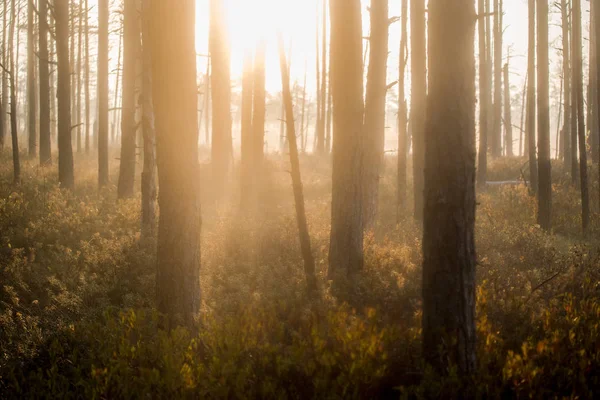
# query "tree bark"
(221, 95)
(87, 77)
(131, 45)
(346, 239)
(13, 96)
(102, 93)
(578, 88)
(4, 57)
(596, 14)
(566, 136)
(172, 41)
(149, 183)
(309, 261)
(44, 71)
(418, 98)
(496, 143)
(449, 216)
(65, 150)
(31, 81)
(402, 113)
(507, 114)
(530, 119)
(484, 81)
(374, 120)
(544, 216)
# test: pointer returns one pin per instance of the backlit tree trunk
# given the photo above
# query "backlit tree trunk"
(31, 81)
(131, 45)
(566, 70)
(44, 71)
(402, 110)
(418, 97)
(530, 118)
(507, 113)
(102, 92)
(13, 96)
(172, 41)
(65, 150)
(346, 239)
(496, 139)
(449, 215)
(544, 217)
(247, 162)
(374, 121)
(484, 81)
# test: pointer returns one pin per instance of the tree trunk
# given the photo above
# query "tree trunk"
(149, 184)
(507, 114)
(221, 95)
(566, 135)
(172, 41)
(309, 262)
(45, 139)
(484, 80)
(87, 78)
(258, 106)
(418, 98)
(596, 10)
(449, 215)
(402, 113)
(118, 85)
(4, 58)
(346, 240)
(13, 96)
(374, 120)
(592, 106)
(65, 151)
(321, 142)
(303, 113)
(578, 89)
(247, 162)
(102, 92)
(31, 86)
(131, 44)
(544, 216)
(79, 79)
(497, 113)
(530, 118)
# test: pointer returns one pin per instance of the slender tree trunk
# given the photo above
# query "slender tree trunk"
(45, 139)
(65, 150)
(221, 95)
(578, 88)
(102, 92)
(507, 113)
(206, 111)
(31, 95)
(530, 118)
(149, 183)
(418, 98)
(247, 162)
(449, 216)
(319, 143)
(302, 133)
(4, 59)
(596, 10)
(322, 112)
(131, 44)
(566, 136)
(544, 216)
(484, 80)
(53, 78)
(402, 113)
(522, 126)
(172, 39)
(79, 79)
(13, 96)
(258, 106)
(309, 262)
(87, 77)
(118, 86)
(346, 240)
(374, 120)
(497, 114)
(592, 106)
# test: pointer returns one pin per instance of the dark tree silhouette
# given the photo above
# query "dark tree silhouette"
(484, 93)
(530, 118)
(31, 81)
(402, 111)
(102, 92)
(418, 95)
(44, 72)
(544, 216)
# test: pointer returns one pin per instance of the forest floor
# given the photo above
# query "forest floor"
(77, 290)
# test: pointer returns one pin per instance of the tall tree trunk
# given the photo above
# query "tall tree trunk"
(65, 150)
(596, 10)
(309, 261)
(79, 79)
(530, 118)
(303, 113)
(592, 106)
(544, 216)
(484, 80)
(346, 240)
(221, 95)
(102, 92)
(319, 143)
(206, 106)
(578, 88)
(149, 183)
(402, 113)
(118, 86)
(247, 162)
(566, 136)
(497, 114)
(418, 95)
(4, 58)
(522, 126)
(322, 113)
(174, 91)
(31, 85)
(374, 120)
(13, 95)
(45, 139)
(258, 106)
(131, 44)
(507, 113)
(449, 216)
(87, 77)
